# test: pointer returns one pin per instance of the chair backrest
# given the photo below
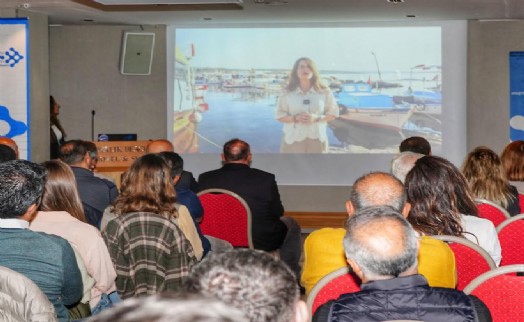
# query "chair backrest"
(511, 237)
(491, 211)
(521, 202)
(226, 216)
(471, 260)
(502, 292)
(331, 286)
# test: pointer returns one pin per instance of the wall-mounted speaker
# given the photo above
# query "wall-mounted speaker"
(137, 53)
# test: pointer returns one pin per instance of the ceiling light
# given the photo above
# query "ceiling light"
(153, 2)
(395, 1)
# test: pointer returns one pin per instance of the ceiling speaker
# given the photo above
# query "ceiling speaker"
(137, 53)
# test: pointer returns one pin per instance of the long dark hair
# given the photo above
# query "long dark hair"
(439, 195)
(147, 187)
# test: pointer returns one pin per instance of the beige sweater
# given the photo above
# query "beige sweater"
(86, 241)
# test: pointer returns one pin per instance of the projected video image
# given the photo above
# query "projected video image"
(361, 90)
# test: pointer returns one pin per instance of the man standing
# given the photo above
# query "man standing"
(270, 230)
(48, 260)
(381, 247)
(96, 193)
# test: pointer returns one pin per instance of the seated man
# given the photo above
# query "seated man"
(415, 144)
(6, 154)
(262, 287)
(187, 180)
(47, 260)
(96, 193)
(10, 143)
(381, 247)
(171, 307)
(323, 249)
(403, 163)
(270, 230)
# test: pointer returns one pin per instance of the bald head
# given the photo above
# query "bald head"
(158, 146)
(381, 244)
(236, 151)
(10, 143)
(377, 189)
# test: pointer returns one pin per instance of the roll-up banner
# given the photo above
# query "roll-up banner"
(516, 90)
(14, 83)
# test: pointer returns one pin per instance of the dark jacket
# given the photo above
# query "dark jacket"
(259, 189)
(96, 194)
(404, 298)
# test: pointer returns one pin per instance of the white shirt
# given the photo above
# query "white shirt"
(314, 102)
(14, 223)
(485, 233)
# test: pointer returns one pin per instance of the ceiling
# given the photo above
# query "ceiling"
(70, 12)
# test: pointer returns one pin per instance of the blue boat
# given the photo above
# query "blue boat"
(367, 118)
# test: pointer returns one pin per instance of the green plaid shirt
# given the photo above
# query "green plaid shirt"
(149, 252)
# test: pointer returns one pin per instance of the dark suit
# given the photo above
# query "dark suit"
(260, 191)
(187, 181)
(96, 194)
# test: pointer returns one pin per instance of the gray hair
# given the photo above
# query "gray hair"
(263, 287)
(170, 307)
(378, 189)
(403, 163)
(367, 225)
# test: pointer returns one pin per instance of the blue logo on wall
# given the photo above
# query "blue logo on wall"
(10, 58)
(15, 127)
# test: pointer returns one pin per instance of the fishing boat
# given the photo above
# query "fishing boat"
(189, 104)
(368, 118)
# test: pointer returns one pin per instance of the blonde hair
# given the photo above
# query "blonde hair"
(485, 176)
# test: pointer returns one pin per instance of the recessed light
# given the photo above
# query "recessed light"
(88, 20)
(395, 1)
(410, 16)
(207, 18)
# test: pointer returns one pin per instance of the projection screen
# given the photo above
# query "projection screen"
(388, 81)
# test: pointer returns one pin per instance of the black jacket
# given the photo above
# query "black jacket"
(259, 189)
(404, 298)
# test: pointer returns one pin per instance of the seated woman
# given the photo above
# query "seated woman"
(485, 176)
(442, 204)
(149, 251)
(512, 159)
(60, 213)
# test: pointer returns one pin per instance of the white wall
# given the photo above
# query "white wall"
(489, 45)
(85, 76)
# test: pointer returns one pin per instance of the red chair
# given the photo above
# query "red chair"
(331, 286)
(226, 216)
(502, 292)
(471, 260)
(521, 203)
(511, 237)
(491, 211)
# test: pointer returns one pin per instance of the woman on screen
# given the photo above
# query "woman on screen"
(305, 107)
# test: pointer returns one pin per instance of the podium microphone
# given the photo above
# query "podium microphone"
(93, 125)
